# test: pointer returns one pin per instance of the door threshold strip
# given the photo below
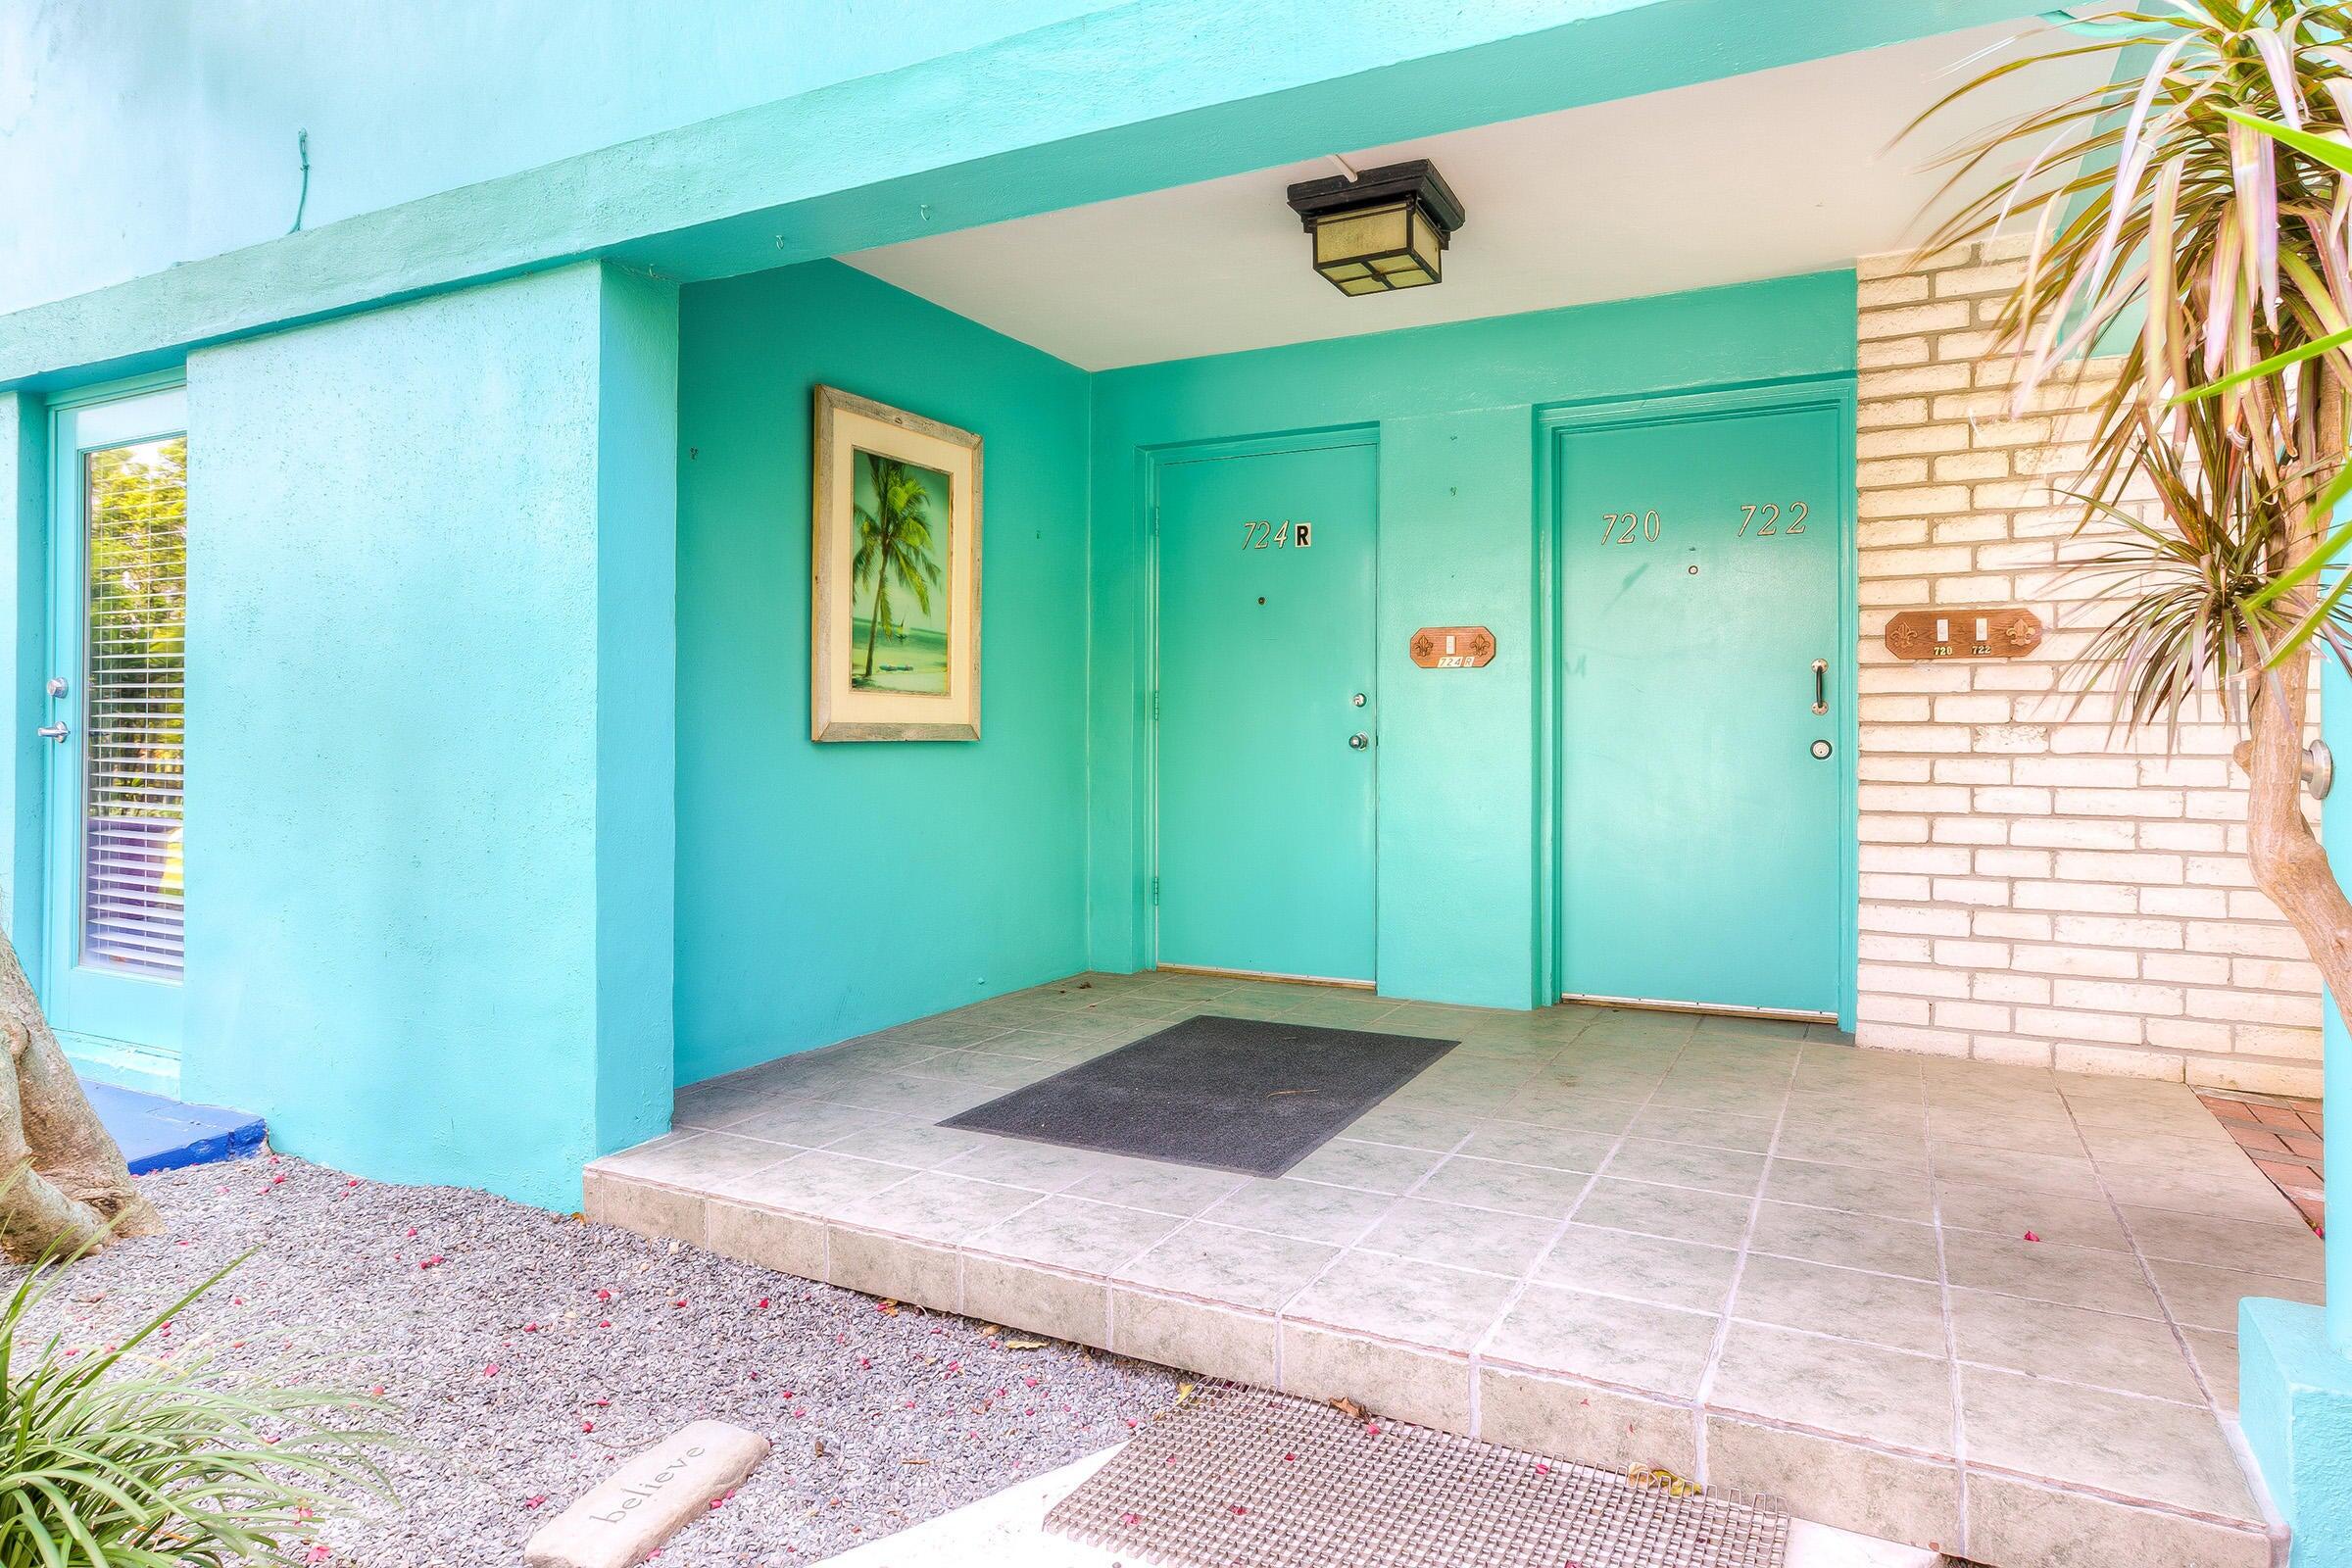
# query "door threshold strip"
(1265, 974)
(1709, 1009)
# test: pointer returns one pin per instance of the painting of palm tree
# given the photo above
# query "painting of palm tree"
(900, 622)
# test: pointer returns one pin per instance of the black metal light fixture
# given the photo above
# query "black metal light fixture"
(1382, 230)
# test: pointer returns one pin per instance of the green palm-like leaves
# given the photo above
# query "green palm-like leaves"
(894, 545)
(2160, 197)
(124, 1458)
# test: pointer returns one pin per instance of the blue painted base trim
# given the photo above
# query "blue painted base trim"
(158, 1134)
(2294, 1395)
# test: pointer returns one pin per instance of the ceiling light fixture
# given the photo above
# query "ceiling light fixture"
(1385, 229)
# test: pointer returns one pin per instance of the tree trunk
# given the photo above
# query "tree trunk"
(63, 1182)
(2288, 862)
(873, 627)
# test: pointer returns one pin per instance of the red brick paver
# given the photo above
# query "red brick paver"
(2281, 1136)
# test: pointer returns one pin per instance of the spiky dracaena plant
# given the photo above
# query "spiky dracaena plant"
(131, 1456)
(2217, 455)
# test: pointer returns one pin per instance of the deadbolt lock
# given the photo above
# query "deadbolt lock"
(1359, 741)
(1358, 698)
(1822, 749)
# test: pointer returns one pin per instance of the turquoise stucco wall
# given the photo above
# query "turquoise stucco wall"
(200, 101)
(1461, 808)
(429, 595)
(827, 889)
(24, 638)
(1082, 109)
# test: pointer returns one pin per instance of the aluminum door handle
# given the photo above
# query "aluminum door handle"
(1359, 741)
(52, 732)
(1821, 685)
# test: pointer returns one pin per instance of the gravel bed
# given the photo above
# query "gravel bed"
(520, 1383)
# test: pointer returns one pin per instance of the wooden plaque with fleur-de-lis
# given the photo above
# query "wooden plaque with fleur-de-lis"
(1453, 647)
(2010, 632)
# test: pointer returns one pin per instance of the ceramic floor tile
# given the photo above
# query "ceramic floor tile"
(1849, 1144)
(2292, 1251)
(2014, 1210)
(2130, 1354)
(1533, 1143)
(2067, 1175)
(821, 1182)
(1171, 1189)
(1717, 1129)
(1837, 1386)
(935, 1206)
(807, 1123)
(1464, 1238)
(1588, 1110)
(1902, 1314)
(1369, 1167)
(1718, 1170)
(1538, 1189)
(697, 1159)
(2137, 1447)
(1397, 1299)
(918, 1144)
(2050, 1271)
(2233, 1190)
(1222, 1264)
(1307, 1212)
(1632, 1343)
(1852, 1241)
(1076, 1233)
(1678, 1213)
(1017, 1162)
(2207, 1298)
(1859, 1190)
(1648, 1268)
(1440, 1131)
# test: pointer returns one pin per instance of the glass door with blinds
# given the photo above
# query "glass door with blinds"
(117, 659)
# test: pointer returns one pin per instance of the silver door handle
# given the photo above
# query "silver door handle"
(1359, 741)
(1821, 685)
(51, 733)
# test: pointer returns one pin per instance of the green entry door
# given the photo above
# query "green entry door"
(1703, 686)
(1267, 726)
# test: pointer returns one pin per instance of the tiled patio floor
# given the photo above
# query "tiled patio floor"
(1754, 1257)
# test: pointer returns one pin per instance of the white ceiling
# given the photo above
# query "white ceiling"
(1762, 175)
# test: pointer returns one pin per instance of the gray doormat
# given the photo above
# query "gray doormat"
(1245, 1476)
(1249, 1095)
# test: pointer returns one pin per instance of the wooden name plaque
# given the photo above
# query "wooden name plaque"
(1453, 647)
(1962, 633)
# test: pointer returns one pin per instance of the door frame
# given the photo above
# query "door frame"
(1157, 460)
(1835, 394)
(149, 1062)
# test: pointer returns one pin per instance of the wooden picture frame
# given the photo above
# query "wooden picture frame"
(894, 607)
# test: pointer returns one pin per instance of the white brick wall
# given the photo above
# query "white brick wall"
(2035, 889)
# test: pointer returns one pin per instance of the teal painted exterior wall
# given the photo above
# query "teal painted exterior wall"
(1462, 791)
(824, 891)
(1085, 108)
(429, 625)
(203, 101)
(24, 640)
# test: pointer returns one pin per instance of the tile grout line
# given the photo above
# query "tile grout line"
(1951, 1333)
(1479, 1347)
(2196, 1370)
(1280, 1312)
(1747, 1235)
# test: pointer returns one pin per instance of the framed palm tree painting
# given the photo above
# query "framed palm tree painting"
(894, 568)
